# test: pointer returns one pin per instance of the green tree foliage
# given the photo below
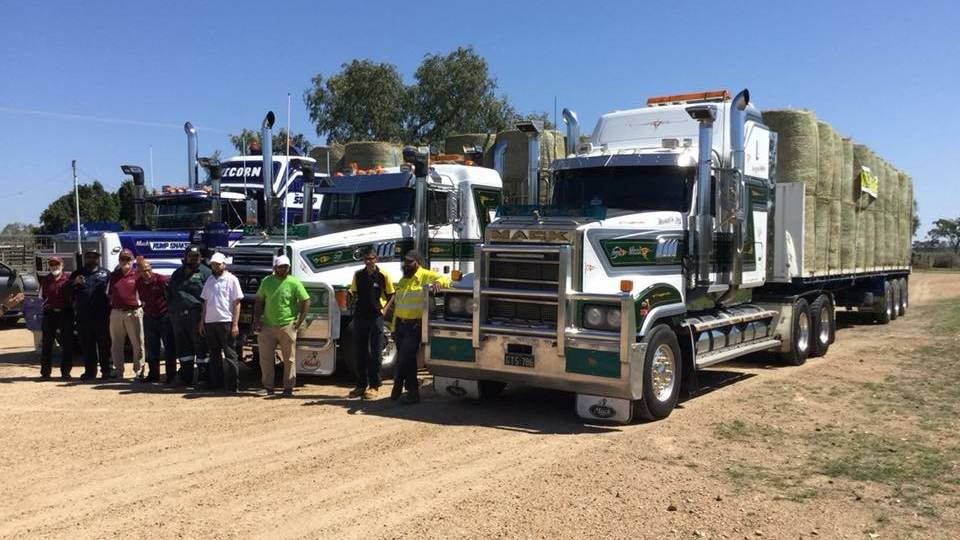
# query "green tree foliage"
(451, 93)
(96, 204)
(241, 142)
(364, 101)
(17, 229)
(947, 231)
(916, 220)
(454, 93)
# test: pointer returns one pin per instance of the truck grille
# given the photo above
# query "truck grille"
(532, 272)
(253, 258)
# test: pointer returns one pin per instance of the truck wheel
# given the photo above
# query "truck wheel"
(904, 295)
(821, 322)
(661, 375)
(883, 316)
(799, 336)
(895, 293)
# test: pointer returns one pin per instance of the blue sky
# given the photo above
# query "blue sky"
(101, 82)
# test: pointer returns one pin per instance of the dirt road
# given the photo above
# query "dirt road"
(765, 451)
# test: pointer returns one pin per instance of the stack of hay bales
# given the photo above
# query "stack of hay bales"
(371, 154)
(846, 230)
(328, 155)
(515, 163)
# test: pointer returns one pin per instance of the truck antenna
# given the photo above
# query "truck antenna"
(286, 193)
(76, 196)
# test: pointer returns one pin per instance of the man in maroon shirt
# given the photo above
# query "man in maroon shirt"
(126, 315)
(157, 328)
(57, 320)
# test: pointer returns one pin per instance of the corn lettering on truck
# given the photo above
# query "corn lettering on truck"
(358, 212)
(673, 242)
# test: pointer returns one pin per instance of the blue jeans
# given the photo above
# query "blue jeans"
(157, 331)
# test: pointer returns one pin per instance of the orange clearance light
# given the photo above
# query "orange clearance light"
(713, 95)
(456, 275)
(341, 298)
(626, 285)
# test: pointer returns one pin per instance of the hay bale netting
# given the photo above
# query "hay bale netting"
(327, 155)
(861, 158)
(456, 144)
(848, 212)
(833, 261)
(825, 172)
(797, 147)
(515, 159)
(370, 154)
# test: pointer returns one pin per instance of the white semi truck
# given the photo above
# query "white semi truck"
(449, 203)
(670, 246)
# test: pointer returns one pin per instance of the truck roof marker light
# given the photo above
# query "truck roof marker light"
(626, 285)
(694, 97)
(456, 275)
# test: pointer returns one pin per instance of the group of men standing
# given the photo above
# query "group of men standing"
(192, 318)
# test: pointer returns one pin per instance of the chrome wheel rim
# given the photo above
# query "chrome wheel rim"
(803, 332)
(663, 373)
(824, 325)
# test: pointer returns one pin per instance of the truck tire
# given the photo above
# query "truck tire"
(661, 375)
(800, 335)
(904, 295)
(883, 316)
(822, 325)
(895, 293)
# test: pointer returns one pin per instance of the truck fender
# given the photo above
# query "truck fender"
(659, 313)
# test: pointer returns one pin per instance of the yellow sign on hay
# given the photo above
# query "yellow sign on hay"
(869, 183)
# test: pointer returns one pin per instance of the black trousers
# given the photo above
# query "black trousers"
(224, 368)
(94, 335)
(57, 326)
(158, 336)
(368, 347)
(188, 342)
(407, 337)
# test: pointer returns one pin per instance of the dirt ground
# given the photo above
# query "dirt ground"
(858, 444)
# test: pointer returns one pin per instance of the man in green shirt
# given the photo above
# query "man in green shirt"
(280, 308)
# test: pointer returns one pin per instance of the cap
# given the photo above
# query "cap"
(414, 255)
(92, 250)
(55, 259)
(126, 254)
(282, 260)
(218, 258)
(191, 250)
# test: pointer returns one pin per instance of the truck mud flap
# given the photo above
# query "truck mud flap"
(605, 409)
(462, 388)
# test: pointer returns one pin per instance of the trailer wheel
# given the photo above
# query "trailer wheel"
(904, 295)
(884, 315)
(821, 322)
(800, 336)
(895, 293)
(661, 375)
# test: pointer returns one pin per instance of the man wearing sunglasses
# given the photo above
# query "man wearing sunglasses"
(372, 288)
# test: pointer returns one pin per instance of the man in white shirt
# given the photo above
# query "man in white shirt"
(221, 316)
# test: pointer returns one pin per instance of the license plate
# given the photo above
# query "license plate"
(246, 318)
(518, 359)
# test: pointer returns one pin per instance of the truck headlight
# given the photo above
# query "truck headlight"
(458, 305)
(598, 317)
(455, 304)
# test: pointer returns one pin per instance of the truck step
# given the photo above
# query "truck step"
(727, 353)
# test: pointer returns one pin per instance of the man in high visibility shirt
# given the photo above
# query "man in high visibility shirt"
(408, 310)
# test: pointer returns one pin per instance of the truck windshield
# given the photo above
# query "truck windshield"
(625, 189)
(390, 205)
(182, 213)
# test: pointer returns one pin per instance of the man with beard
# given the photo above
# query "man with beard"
(183, 306)
(277, 301)
(221, 319)
(87, 288)
(126, 316)
(407, 322)
(57, 320)
(157, 329)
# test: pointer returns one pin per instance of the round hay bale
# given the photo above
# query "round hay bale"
(833, 261)
(461, 144)
(906, 218)
(370, 154)
(848, 214)
(328, 157)
(826, 160)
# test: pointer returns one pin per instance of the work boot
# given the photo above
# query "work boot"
(371, 393)
(410, 399)
(356, 392)
(396, 392)
(88, 376)
(287, 392)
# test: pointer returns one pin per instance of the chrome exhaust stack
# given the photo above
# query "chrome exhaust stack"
(533, 129)
(266, 149)
(573, 131)
(703, 224)
(419, 158)
(139, 195)
(499, 149)
(308, 185)
(738, 119)
(192, 172)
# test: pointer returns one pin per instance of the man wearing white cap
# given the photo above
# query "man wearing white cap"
(221, 316)
(276, 319)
